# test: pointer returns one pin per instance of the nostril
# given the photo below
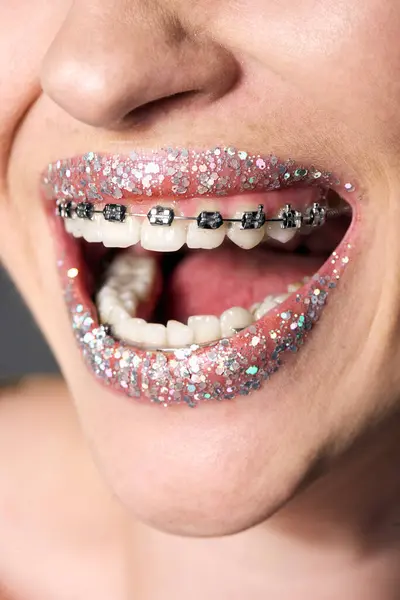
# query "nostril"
(155, 109)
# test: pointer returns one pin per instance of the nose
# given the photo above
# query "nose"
(110, 61)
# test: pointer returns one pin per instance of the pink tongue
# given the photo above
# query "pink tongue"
(210, 282)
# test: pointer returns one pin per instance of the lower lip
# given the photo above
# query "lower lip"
(228, 369)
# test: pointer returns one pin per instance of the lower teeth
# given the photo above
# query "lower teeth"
(130, 282)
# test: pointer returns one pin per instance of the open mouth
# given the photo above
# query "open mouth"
(189, 275)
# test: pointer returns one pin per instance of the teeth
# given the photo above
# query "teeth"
(132, 330)
(162, 230)
(118, 314)
(138, 331)
(269, 303)
(275, 231)
(204, 238)
(117, 303)
(132, 275)
(171, 238)
(125, 293)
(281, 297)
(120, 235)
(235, 318)
(293, 287)
(200, 329)
(112, 235)
(129, 301)
(105, 301)
(265, 306)
(91, 230)
(74, 227)
(110, 306)
(206, 328)
(244, 238)
(155, 335)
(163, 238)
(130, 280)
(179, 334)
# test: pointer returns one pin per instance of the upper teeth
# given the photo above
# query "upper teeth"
(129, 281)
(165, 216)
(162, 231)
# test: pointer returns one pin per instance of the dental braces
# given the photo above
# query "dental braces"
(161, 216)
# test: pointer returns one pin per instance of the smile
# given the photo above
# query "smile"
(191, 276)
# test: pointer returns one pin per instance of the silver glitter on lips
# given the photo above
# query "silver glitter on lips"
(232, 367)
(172, 172)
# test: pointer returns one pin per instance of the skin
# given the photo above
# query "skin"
(316, 80)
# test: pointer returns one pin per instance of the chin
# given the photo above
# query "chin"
(213, 471)
(207, 489)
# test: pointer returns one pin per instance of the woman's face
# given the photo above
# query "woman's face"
(315, 81)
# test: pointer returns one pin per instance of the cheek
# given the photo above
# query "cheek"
(337, 58)
(23, 25)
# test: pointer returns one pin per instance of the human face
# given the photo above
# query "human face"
(315, 81)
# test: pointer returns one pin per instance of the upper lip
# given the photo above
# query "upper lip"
(179, 173)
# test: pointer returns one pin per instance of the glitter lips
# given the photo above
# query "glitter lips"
(228, 368)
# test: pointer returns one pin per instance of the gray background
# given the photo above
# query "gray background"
(22, 348)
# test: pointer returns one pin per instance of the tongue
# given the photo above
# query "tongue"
(207, 282)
